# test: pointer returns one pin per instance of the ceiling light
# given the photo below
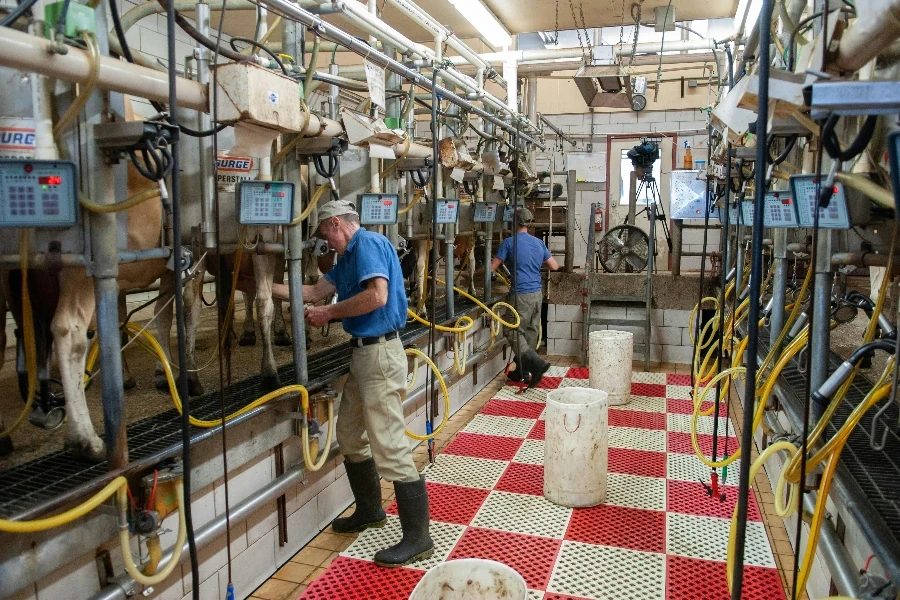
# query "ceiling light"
(484, 21)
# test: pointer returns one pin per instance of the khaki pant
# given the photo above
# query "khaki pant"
(370, 418)
(529, 307)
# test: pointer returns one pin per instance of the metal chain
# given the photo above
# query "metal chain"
(584, 54)
(637, 28)
(556, 31)
(622, 26)
(587, 36)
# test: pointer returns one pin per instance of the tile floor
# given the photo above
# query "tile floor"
(657, 536)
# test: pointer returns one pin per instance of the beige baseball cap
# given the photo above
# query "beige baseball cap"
(335, 208)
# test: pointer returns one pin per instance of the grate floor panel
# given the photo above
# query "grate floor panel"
(657, 535)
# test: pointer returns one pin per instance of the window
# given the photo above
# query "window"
(625, 181)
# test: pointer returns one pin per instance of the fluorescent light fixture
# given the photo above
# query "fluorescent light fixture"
(484, 21)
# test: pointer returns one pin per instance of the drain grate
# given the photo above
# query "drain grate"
(636, 418)
(483, 446)
(513, 427)
(509, 408)
(695, 579)
(465, 471)
(519, 513)
(707, 538)
(30, 489)
(635, 491)
(531, 452)
(619, 526)
(607, 573)
(637, 462)
(637, 439)
(522, 478)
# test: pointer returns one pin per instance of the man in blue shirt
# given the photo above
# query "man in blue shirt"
(371, 428)
(530, 256)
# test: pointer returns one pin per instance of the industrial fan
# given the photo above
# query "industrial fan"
(624, 249)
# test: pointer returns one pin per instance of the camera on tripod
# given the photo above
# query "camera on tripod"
(644, 155)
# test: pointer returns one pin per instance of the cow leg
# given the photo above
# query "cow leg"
(128, 381)
(248, 334)
(165, 311)
(69, 327)
(192, 304)
(6, 445)
(421, 276)
(280, 335)
(470, 250)
(264, 271)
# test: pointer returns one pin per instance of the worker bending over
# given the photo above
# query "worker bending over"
(531, 255)
(371, 431)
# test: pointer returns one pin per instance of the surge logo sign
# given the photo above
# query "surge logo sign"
(231, 170)
(16, 138)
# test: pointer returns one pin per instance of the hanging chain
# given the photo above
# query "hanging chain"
(584, 54)
(587, 36)
(622, 26)
(556, 31)
(637, 28)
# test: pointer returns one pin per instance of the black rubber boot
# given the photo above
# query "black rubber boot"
(416, 544)
(535, 365)
(366, 489)
(515, 374)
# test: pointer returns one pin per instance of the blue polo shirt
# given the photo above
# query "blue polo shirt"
(531, 255)
(369, 255)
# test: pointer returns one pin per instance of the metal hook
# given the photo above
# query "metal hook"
(801, 363)
(878, 447)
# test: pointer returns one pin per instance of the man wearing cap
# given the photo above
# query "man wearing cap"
(370, 427)
(531, 255)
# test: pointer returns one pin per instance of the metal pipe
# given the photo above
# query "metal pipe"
(26, 52)
(557, 131)
(571, 197)
(392, 110)
(487, 184)
(532, 116)
(204, 123)
(866, 259)
(105, 268)
(779, 284)
(820, 339)
(876, 27)
(292, 43)
(330, 32)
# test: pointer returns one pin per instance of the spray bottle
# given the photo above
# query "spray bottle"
(688, 158)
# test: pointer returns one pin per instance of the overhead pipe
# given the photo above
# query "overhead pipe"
(877, 26)
(25, 52)
(328, 31)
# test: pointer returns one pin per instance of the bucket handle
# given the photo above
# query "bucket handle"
(566, 423)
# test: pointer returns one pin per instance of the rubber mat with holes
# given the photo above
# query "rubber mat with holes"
(658, 536)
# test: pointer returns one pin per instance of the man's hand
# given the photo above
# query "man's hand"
(318, 316)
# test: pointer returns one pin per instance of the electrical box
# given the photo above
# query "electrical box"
(485, 212)
(747, 210)
(507, 214)
(78, 18)
(378, 209)
(447, 211)
(249, 93)
(265, 202)
(38, 193)
(780, 210)
(839, 214)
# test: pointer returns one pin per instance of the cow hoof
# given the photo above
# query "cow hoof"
(248, 338)
(282, 339)
(195, 388)
(92, 448)
(6, 446)
(129, 383)
(269, 383)
(161, 383)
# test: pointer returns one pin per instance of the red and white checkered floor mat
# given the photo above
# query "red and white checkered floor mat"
(658, 536)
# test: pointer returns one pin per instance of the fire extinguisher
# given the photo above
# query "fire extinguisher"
(598, 219)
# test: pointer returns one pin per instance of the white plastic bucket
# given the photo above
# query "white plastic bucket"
(470, 579)
(576, 446)
(611, 353)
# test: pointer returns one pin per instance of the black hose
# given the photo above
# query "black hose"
(61, 21)
(189, 29)
(17, 12)
(432, 259)
(777, 160)
(126, 52)
(888, 346)
(261, 47)
(175, 196)
(702, 278)
(756, 267)
(833, 145)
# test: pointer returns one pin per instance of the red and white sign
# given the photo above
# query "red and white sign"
(232, 169)
(16, 138)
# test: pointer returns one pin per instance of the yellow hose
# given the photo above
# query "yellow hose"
(116, 485)
(85, 92)
(124, 542)
(312, 204)
(437, 373)
(131, 202)
(415, 200)
(27, 335)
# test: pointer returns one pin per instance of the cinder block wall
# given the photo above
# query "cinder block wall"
(669, 337)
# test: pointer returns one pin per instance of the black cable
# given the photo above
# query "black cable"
(432, 258)
(756, 267)
(17, 12)
(800, 24)
(175, 196)
(261, 47)
(189, 29)
(694, 355)
(126, 52)
(723, 249)
(61, 21)
(833, 145)
(777, 160)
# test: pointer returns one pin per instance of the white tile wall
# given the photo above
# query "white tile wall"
(669, 338)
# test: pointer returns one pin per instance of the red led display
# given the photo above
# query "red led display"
(50, 180)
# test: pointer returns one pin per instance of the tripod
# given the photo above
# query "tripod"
(648, 185)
